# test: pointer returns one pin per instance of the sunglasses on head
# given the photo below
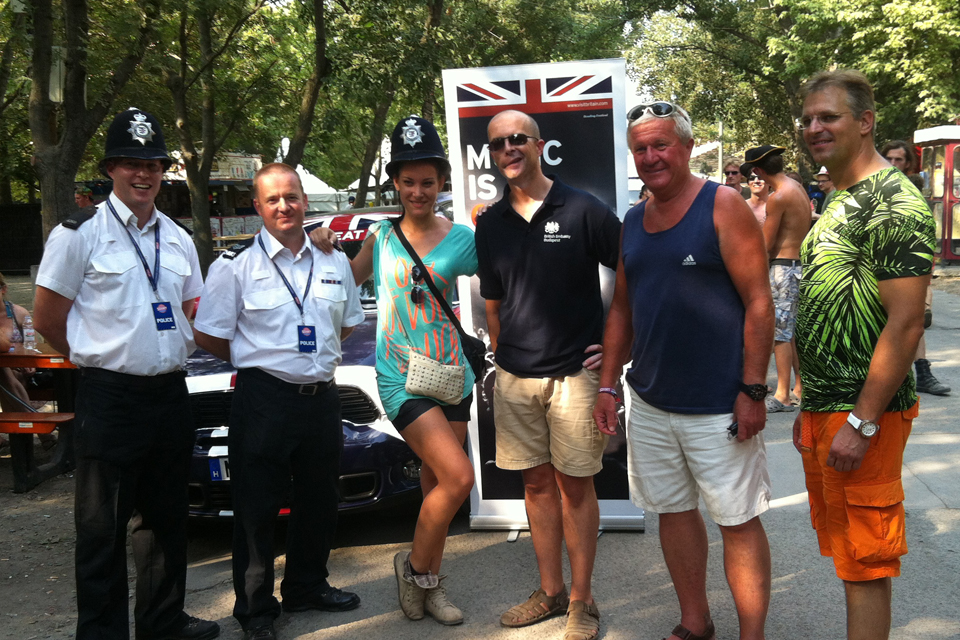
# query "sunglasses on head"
(416, 294)
(516, 140)
(658, 109)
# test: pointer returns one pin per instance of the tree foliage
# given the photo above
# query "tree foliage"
(742, 62)
(241, 75)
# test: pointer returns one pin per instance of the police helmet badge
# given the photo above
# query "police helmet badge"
(412, 133)
(415, 139)
(140, 130)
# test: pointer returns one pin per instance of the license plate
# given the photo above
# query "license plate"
(219, 469)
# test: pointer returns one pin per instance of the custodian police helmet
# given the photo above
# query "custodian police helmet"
(135, 134)
(415, 139)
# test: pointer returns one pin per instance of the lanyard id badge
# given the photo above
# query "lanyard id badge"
(306, 333)
(307, 338)
(163, 315)
(162, 311)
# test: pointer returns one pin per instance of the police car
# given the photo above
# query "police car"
(377, 467)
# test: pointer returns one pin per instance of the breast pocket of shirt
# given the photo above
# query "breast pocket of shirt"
(330, 297)
(264, 308)
(116, 276)
(174, 272)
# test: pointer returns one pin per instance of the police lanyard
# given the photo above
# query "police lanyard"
(152, 276)
(286, 282)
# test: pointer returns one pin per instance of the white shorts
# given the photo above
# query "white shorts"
(674, 458)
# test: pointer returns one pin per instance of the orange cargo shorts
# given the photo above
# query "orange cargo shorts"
(858, 515)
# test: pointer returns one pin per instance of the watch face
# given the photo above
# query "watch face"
(868, 429)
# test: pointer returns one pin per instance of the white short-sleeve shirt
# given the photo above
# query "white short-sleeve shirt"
(245, 301)
(111, 324)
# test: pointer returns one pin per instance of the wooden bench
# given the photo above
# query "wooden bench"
(21, 426)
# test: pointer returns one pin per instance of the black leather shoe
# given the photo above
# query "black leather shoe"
(262, 632)
(195, 629)
(331, 599)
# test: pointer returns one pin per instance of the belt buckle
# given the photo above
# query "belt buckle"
(309, 389)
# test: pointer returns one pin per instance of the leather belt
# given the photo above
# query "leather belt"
(305, 389)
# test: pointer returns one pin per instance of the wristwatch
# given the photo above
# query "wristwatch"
(754, 391)
(865, 428)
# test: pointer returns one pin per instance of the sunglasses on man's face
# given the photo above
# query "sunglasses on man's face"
(755, 179)
(731, 173)
(516, 140)
(658, 109)
(416, 294)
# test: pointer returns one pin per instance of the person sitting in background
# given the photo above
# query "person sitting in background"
(13, 380)
(14, 396)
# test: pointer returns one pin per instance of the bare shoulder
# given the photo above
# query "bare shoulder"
(794, 194)
(20, 312)
(729, 205)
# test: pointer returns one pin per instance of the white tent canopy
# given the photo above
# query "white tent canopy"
(321, 197)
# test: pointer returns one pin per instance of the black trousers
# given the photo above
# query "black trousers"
(277, 433)
(134, 438)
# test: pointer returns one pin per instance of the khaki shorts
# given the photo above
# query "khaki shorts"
(541, 420)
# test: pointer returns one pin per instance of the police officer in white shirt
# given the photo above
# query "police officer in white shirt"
(116, 286)
(277, 309)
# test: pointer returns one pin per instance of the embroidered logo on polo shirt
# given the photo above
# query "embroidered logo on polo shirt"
(551, 232)
(689, 261)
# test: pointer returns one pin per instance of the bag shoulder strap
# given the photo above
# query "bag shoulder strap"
(428, 279)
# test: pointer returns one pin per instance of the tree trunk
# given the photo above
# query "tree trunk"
(373, 144)
(311, 91)
(199, 186)
(428, 43)
(58, 150)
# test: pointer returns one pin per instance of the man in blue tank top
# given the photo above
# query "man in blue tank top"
(692, 309)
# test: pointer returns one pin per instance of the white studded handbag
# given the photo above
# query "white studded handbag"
(427, 377)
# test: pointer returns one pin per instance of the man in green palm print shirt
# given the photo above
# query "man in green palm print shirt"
(866, 266)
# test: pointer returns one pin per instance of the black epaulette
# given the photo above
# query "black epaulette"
(78, 217)
(237, 249)
(182, 226)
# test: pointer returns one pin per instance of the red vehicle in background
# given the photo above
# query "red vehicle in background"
(940, 168)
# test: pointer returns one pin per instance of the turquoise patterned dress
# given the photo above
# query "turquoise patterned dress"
(403, 325)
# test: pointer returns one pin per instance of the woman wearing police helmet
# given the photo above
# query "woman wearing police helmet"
(412, 324)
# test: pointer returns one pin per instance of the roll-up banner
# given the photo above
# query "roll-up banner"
(580, 109)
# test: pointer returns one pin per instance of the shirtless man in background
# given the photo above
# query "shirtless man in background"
(787, 222)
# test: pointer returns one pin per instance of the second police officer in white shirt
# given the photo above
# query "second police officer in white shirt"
(277, 309)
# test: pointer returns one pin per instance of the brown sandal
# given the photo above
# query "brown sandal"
(685, 634)
(583, 621)
(539, 606)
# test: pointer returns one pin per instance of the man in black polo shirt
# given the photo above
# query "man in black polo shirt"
(539, 249)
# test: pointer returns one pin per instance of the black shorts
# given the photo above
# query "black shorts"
(413, 409)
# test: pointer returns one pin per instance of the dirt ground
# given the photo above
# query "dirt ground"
(36, 558)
